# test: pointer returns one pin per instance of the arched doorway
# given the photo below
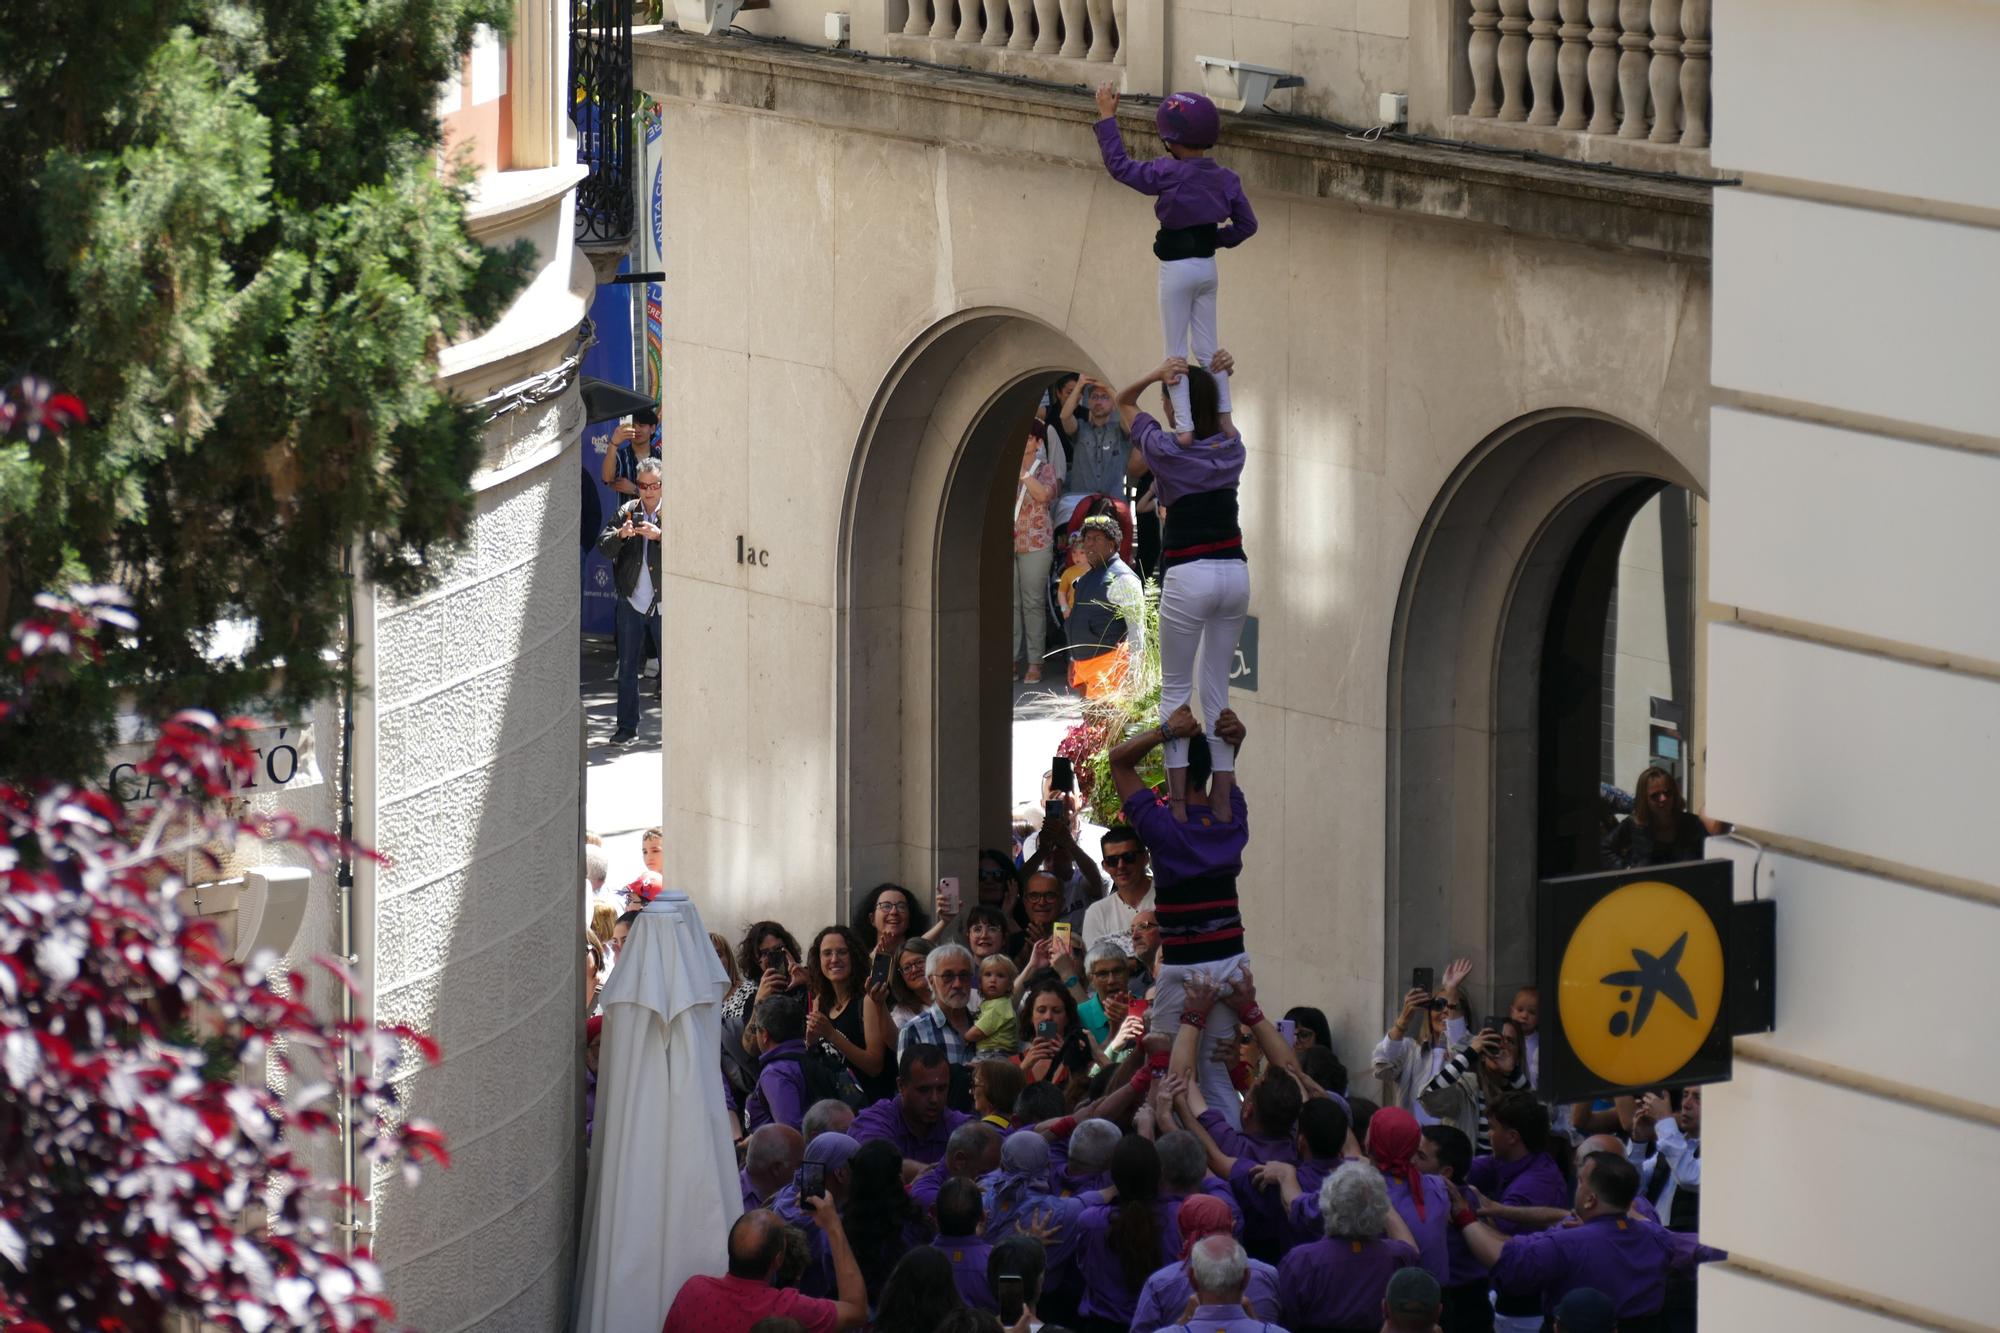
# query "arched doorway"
(922, 685)
(1497, 684)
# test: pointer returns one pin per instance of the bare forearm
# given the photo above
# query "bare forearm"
(1484, 1242)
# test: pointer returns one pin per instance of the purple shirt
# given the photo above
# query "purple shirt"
(1334, 1283)
(780, 1095)
(1265, 1215)
(1202, 846)
(968, 1269)
(884, 1120)
(1105, 1295)
(924, 1189)
(1191, 191)
(1534, 1181)
(1213, 464)
(1628, 1261)
(752, 1200)
(1430, 1229)
(1166, 1294)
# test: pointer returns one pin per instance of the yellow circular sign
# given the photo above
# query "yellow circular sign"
(1641, 984)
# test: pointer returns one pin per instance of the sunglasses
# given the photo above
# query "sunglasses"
(1120, 858)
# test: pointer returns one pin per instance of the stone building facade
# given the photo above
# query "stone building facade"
(1854, 661)
(1458, 370)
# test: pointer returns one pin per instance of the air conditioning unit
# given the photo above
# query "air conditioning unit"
(710, 16)
(270, 909)
(1238, 85)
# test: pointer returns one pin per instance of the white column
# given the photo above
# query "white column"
(1542, 61)
(1665, 75)
(1603, 68)
(1694, 74)
(1100, 31)
(1635, 44)
(1571, 61)
(1481, 48)
(1513, 58)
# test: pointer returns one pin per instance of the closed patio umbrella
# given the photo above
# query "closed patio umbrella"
(663, 1188)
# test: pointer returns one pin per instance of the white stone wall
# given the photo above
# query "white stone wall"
(1854, 657)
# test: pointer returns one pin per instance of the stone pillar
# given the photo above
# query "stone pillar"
(1100, 31)
(535, 53)
(1603, 69)
(1045, 27)
(1634, 43)
(1542, 61)
(917, 23)
(1665, 74)
(1513, 60)
(941, 20)
(1481, 49)
(968, 21)
(1694, 74)
(996, 24)
(1119, 8)
(1023, 36)
(1072, 29)
(1570, 64)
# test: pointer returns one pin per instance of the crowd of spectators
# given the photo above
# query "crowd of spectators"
(961, 1115)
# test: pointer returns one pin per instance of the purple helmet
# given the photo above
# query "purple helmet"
(1188, 119)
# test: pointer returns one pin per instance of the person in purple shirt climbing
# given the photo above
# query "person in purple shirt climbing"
(1195, 866)
(1205, 575)
(1201, 209)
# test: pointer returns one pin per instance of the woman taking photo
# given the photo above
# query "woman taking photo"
(1056, 1048)
(847, 1014)
(889, 914)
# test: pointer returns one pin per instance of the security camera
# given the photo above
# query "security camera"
(1237, 85)
(709, 16)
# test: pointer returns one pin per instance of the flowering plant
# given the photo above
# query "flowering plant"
(139, 1174)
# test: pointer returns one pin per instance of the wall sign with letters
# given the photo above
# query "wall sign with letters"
(284, 760)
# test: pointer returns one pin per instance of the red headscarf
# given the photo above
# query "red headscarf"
(1202, 1216)
(1393, 1136)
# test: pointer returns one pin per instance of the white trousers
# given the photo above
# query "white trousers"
(1163, 1015)
(1187, 309)
(1202, 607)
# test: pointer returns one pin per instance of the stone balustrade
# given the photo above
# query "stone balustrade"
(1085, 30)
(1597, 71)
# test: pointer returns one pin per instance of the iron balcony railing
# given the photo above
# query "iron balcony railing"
(600, 68)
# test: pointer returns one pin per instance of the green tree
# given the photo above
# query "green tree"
(227, 230)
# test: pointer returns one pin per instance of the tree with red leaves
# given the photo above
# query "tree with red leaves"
(139, 1174)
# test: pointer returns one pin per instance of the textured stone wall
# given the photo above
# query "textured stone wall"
(476, 790)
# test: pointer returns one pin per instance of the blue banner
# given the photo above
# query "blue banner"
(610, 358)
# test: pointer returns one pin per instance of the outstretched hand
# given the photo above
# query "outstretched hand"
(1230, 727)
(1107, 99)
(1455, 973)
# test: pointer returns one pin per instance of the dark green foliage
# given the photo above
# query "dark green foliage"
(226, 230)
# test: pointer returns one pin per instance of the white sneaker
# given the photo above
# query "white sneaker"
(652, 668)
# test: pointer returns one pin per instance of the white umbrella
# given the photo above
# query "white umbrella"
(663, 1187)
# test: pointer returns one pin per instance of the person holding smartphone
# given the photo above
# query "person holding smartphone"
(631, 542)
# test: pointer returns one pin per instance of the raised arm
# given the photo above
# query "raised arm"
(1169, 372)
(1066, 410)
(851, 1292)
(1125, 757)
(1145, 177)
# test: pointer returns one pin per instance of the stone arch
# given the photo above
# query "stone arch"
(1499, 562)
(922, 694)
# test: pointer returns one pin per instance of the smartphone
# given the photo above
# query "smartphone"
(1046, 1028)
(1060, 929)
(1013, 1299)
(774, 960)
(1062, 776)
(1136, 1008)
(878, 973)
(1053, 811)
(812, 1179)
(947, 896)
(1423, 979)
(1288, 1030)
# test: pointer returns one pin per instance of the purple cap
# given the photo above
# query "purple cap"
(831, 1150)
(1188, 119)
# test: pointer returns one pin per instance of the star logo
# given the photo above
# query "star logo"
(1652, 978)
